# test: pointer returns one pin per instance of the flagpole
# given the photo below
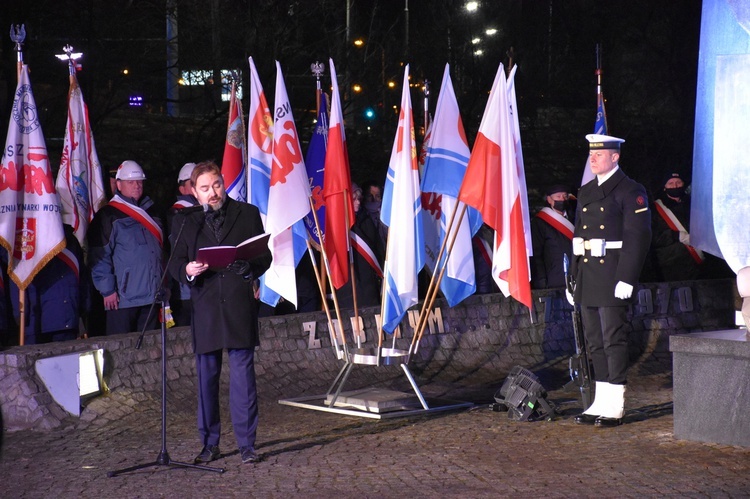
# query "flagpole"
(422, 323)
(599, 95)
(317, 68)
(431, 287)
(598, 71)
(347, 198)
(330, 282)
(327, 309)
(18, 35)
(426, 90)
(383, 298)
(241, 113)
(509, 67)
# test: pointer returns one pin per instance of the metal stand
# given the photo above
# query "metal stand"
(373, 403)
(163, 458)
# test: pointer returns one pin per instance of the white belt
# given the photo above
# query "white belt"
(598, 247)
(588, 244)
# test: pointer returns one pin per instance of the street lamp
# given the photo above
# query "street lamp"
(472, 6)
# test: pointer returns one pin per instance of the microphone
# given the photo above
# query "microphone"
(194, 209)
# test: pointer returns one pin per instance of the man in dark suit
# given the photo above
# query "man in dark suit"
(224, 312)
(611, 240)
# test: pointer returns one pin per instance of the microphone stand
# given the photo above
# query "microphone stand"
(163, 458)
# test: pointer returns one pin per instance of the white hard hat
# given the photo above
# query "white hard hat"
(185, 172)
(130, 170)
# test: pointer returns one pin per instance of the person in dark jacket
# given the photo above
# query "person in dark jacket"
(367, 253)
(611, 239)
(674, 258)
(57, 297)
(180, 293)
(551, 238)
(125, 249)
(224, 312)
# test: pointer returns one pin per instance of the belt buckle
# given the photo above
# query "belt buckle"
(598, 247)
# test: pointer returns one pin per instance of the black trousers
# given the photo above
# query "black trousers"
(606, 332)
(131, 319)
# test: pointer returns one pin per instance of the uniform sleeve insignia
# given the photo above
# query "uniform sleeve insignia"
(640, 201)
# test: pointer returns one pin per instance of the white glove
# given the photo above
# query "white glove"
(578, 247)
(685, 237)
(623, 290)
(569, 297)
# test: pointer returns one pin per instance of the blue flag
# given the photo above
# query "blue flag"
(315, 162)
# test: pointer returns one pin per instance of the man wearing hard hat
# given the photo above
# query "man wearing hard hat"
(185, 199)
(125, 246)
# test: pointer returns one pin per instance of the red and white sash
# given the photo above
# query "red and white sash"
(67, 257)
(675, 225)
(364, 249)
(484, 249)
(140, 215)
(557, 221)
(182, 203)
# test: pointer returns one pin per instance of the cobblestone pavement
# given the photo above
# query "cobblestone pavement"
(468, 453)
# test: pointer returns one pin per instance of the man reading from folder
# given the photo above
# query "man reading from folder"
(224, 314)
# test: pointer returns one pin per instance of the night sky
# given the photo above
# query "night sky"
(649, 59)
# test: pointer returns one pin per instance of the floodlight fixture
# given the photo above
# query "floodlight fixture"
(72, 377)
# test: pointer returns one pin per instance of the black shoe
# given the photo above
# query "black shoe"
(603, 422)
(585, 418)
(208, 454)
(248, 455)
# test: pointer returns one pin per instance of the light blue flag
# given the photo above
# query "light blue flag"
(447, 154)
(259, 151)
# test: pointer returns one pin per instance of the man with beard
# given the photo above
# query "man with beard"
(224, 311)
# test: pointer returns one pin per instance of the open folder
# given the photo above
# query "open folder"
(221, 256)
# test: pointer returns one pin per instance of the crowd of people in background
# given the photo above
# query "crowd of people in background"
(113, 288)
